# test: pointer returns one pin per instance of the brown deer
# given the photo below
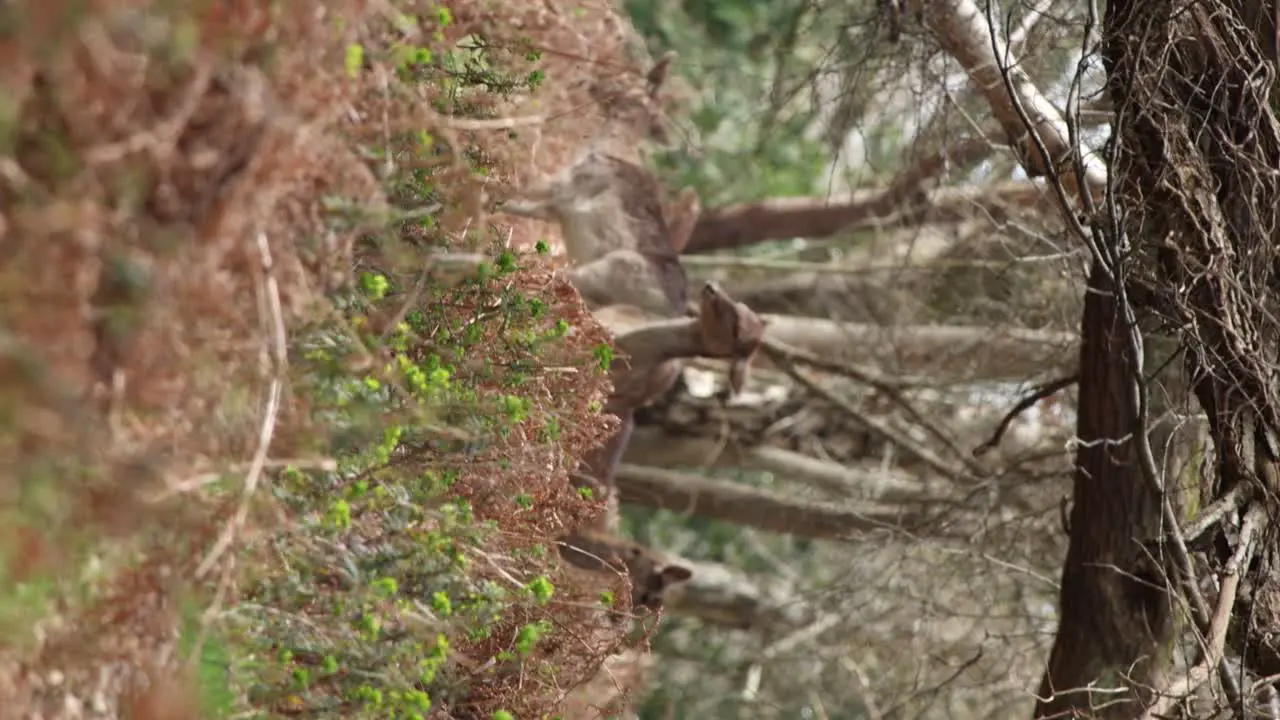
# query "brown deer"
(648, 572)
(651, 356)
(624, 242)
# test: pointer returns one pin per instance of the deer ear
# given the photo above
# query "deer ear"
(682, 216)
(673, 574)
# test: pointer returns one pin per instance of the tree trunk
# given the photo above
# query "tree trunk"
(1114, 614)
(1196, 145)
(1200, 150)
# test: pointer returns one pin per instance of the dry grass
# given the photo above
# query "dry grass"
(228, 466)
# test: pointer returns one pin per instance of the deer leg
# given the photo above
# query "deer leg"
(682, 216)
(602, 462)
(599, 466)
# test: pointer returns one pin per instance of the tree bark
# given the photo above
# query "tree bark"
(1197, 146)
(962, 29)
(1114, 612)
(736, 226)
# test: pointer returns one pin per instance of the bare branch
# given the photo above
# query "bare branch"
(883, 429)
(962, 29)
(1037, 394)
(736, 226)
(763, 509)
(939, 351)
(1254, 522)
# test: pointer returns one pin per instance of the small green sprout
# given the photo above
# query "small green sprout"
(441, 604)
(339, 515)
(604, 355)
(542, 590)
(385, 587)
(374, 285)
(530, 634)
(354, 59)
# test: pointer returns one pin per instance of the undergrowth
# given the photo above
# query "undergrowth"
(419, 564)
(271, 454)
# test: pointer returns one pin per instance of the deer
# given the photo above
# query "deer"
(624, 241)
(625, 244)
(650, 573)
(622, 238)
(652, 354)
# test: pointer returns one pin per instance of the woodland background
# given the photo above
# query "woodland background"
(265, 457)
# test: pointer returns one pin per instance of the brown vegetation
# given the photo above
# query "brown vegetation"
(183, 193)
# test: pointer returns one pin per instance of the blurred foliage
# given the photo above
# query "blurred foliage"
(365, 606)
(387, 554)
(750, 65)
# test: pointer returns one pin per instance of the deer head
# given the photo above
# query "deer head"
(731, 330)
(620, 233)
(649, 574)
(602, 203)
(651, 348)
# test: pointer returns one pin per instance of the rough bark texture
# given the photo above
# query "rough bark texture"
(1203, 177)
(1200, 151)
(1114, 614)
(1197, 146)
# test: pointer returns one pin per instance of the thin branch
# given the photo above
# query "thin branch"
(437, 120)
(782, 353)
(915, 449)
(1216, 638)
(279, 357)
(269, 297)
(1210, 516)
(1038, 393)
(828, 268)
